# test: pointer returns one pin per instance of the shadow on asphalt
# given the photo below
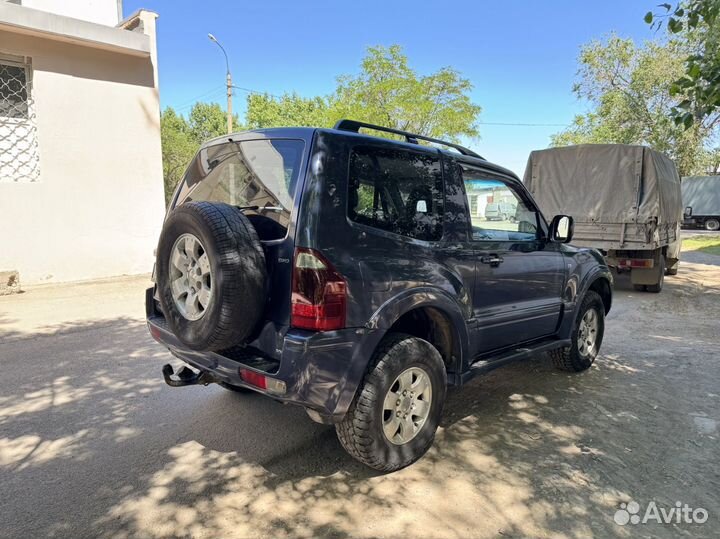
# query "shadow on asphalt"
(94, 444)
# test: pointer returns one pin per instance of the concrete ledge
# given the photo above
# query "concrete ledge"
(24, 20)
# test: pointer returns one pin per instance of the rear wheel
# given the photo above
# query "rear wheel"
(393, 419)
(586, 337)
(659, 285)
(712, 224)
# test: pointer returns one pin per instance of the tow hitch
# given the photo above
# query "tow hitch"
(186, 377)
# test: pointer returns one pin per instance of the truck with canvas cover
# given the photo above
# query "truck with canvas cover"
(701, 197)
(625, 201)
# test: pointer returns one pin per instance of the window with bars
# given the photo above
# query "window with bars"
(13, 91)
(19, 160)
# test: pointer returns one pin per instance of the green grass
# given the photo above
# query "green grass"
(704, 244)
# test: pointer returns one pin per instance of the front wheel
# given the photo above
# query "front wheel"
(586, 337)
(712, 224)
(393, 419)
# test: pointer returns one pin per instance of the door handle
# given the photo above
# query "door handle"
(493, 260)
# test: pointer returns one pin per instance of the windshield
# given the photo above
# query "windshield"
(259, 176)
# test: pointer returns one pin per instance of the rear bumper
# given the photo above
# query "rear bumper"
(320, 371)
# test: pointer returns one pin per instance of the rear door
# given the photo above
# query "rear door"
(262, 176)
(519, 276)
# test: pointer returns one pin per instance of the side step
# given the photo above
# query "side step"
(520, 353)
(186, 377)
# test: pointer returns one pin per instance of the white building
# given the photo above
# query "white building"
(81, 189)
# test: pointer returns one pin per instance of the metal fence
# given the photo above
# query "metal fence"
(19, 159)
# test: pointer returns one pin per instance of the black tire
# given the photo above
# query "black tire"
(712, 224)
(672, 270)
(570, 358)
(656, 288)
(361, 431)
(237, 270)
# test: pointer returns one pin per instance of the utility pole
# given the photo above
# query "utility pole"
(229, 84)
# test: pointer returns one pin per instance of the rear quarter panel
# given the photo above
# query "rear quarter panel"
(387, 274)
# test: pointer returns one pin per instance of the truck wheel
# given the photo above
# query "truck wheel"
(658, 286)
(673, 270)
(210, 275)
(586, 337)
(393, 419)
(712, 224)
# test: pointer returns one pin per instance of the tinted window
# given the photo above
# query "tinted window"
(258, 175)
(497, 211)
(396, 190)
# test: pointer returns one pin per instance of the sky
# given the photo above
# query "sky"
(521, 56)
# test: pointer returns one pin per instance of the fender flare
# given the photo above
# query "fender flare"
(391, 311)
(571, 308)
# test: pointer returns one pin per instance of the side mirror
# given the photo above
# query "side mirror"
(562, 228)
(688, 212)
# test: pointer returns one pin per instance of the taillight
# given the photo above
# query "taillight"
(319, 293)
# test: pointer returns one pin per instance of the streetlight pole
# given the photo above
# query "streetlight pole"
(229, 84)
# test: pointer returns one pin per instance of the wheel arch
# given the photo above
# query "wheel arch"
(429, 314)
(601, 285)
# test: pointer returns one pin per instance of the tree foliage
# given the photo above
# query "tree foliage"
(264, 110)
(178, 147)
(181, 138)
(629, 91)
(697, 22)
(386, 91)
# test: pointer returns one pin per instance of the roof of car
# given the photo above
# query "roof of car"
(306, 133)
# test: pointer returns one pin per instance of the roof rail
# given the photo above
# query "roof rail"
(355, 126)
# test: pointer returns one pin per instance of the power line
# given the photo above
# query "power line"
(216, 93)
(250, 91)
(194, 99)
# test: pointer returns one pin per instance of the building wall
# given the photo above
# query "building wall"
(97, 206)
(107, 12)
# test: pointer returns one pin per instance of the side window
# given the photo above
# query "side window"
(396, 190)
(497, 211)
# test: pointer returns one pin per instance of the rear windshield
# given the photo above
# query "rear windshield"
(259, 176)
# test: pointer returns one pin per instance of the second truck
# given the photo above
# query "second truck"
(625, 201)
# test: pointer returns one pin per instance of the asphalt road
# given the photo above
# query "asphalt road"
(94, 444)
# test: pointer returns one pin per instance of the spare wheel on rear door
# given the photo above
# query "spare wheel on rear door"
(211, 275)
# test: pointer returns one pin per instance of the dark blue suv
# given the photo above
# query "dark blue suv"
(358, 276)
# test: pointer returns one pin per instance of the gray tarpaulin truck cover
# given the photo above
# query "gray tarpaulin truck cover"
(605, 183)
(702, 193)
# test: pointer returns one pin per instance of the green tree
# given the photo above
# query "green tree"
(178, 147)
(209, 120)
(181, 138)
(697, 22)
(628, 89)
(264, 110)
(386, 91)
